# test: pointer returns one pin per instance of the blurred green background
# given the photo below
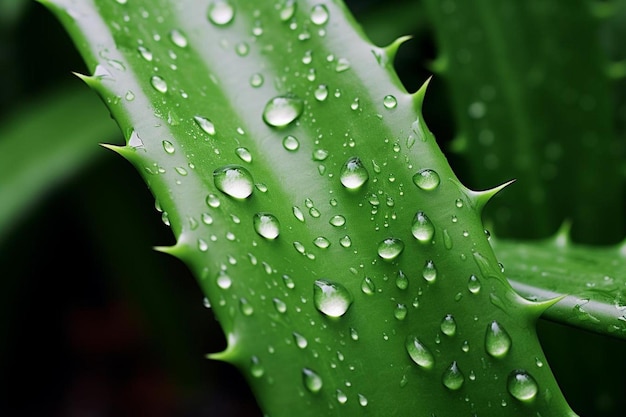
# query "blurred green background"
(93, 322)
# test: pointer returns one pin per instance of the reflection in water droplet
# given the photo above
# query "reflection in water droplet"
(331, 298)
(221, 12)
(266, 225)
(448, 325)
(282, 110)
(280, 305)
(426, 179)
(390, 248)
(423, 229)
(497, 340)
(353, 174)
(453, 377)
(287, 10)
(429, 272)
(419, 353)
(522, 386)
(319, 14)
(312, 381)
(234, 180)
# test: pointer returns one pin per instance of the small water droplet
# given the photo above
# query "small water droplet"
(426, 179)
(429, 272)
(390, 102)
(345, 241)
(497, 340)
(159, 84)
(453, 377)
(221, 12)
(448, 325)
(206, 302)
(319, 14)
(473, 284)
(402, 282)
(256, 80)
(291, 143)
(362, 400)
(522, 386)
(342, 398)
(223, 280)
(145, 53)
(178, 38)
(298, 213)
(280, 305)
(242, 48)
(320, 154)
(354, 335)
(312, 381)
(331, 298)
(168, 147)
(300, 340)
(447, 239)
(342, 65)
(205, 124)
(353, 174)
(458, 203)
(288, 10)
(213, 201)
(256, 369)
(321, 92)
(282, 110)
(245, 307)
(337, 220)
(244, 154)
(390, 248)
(423, 229)
(367, 286)
(400, 311)
(203, 246)
(419, 353)
(321, 242)
(234, 180)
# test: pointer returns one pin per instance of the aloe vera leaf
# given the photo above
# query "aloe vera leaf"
(350, 282)
(532, 101)
(44, 142)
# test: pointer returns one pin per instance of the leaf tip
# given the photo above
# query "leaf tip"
(481, 198)
(419, 95)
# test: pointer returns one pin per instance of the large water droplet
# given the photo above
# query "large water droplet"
(353, 174)
(453, 377)
(234, 180)
(497, 340)
(287, 10)
(429, 272)
(266, 225)
(221, 12)
(423, 229)
(390, 248)
(448, 325)
(331, 298)
(319, 14)
(282, 110)
(426, 179)
(312, 381)
(419, 353)
(522, 385)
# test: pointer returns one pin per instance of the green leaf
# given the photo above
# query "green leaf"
(346, 263)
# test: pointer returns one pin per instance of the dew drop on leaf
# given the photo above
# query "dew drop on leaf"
(453, 378)
(266, 225)
(221, 12)
(423, 229)
(321, 242)
(213, 201)
(234, 180)
(353, 174)
(448, 325)
(205, 124)
(300, 340)
(363, 400)
(145, 53)
(345, 241)
(245, 307)
(158, 84)
(287, 10)
(367, 286)
(256, 80)
(256, 369)
(331, 298)
(279, 305)
(321, 92)
(522, 385)
(312, 381)
(429, 272)
(291, 143)
(168, 147)
(402, 282)
(400, 311)
(337, 220)
(390, 102)
(223, 280)
(282, 110)
(244, 154)
(419, 353)
(426, 179)
(473, 284)
(390, 248)
(342, 65)
(319, 14)
(178, 38)
(497, 340)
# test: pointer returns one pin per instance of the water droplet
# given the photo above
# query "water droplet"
(168, 147)
(354, 335)
(221, 12)
(390, 248)
(331, 298)
(234, 180)
(206, 302)
(288, 10)
(223, 280)
(244, 154)
(458, 203)
(345, 241)
(423, 229)
(419, 353)
(321, 92)
(319, 14)
(390, 102)
(342, 65)
(497, 340)
(337, 220)
(426, 179)
(282, 110)
(453, 377)
(256, 80)
(362, 400)
(367, 286)
(312, 381)
(145, 53)
(203, 246)
(447, 239)
(342, 398)
(429, 272)
(402, 282)
(242, 48)
(298, 213)
(205, 124)
(300, 340)
(245, 307)
(522, 385)
(159, 84)
(321, 242)
(448, 325)
(320, 154)
(353, 174)
(178, 38)
(291, 143)
(473, 284)
(256, 369)
(400, 311)
(280, 305)
(213, 201)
